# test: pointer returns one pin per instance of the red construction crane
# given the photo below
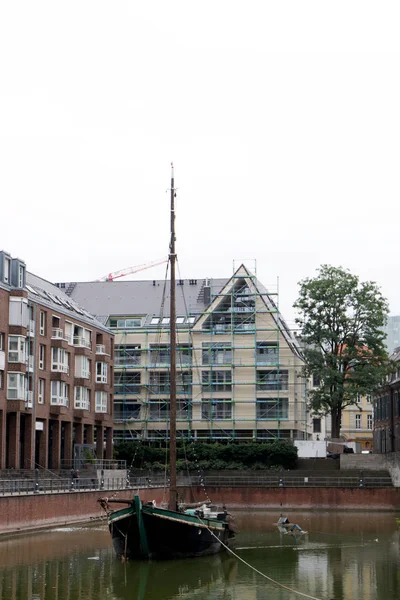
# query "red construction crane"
(130, 270)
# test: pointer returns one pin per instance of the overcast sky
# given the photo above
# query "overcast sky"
(282, 120)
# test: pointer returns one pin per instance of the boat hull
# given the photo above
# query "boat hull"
(142, 533)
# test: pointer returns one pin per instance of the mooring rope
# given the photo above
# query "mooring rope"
(281, 585)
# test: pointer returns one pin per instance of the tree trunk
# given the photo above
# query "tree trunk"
(336, 417)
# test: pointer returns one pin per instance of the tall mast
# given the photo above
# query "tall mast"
(172, 324)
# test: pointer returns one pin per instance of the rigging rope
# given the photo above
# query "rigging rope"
(281, 585)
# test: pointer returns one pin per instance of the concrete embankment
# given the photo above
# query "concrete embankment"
(25, 513)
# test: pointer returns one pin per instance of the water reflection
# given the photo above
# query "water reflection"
(346, 556)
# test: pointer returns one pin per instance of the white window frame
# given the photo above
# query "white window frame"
(358, 421)
(101, 402)
(101, 372)
(42, 322)
(41, 390)
(59, 393)
(19, 352)
(7, 270)
(59, 360)
(370, 422)
(17, 391)
(2, 340)
(81, 398)
(82, 367)
(42, 356)
(21, 273)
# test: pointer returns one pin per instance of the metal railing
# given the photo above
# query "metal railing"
(273, 481)
(17, 487)
(95, 464)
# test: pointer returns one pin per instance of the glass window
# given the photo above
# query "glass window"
(273, 408)
(272, 380)
(358, 421)
(369, 421)
(101, 402)
(41, 388)
(216, 409)
(101, 372)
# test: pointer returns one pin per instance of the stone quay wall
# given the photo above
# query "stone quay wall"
(21, 514)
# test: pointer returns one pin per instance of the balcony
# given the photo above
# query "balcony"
(57, 334)
(100, 349)
(29, 399)
(81, 342)
(59, 368)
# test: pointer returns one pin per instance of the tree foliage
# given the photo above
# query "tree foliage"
(341, 322)
(201, 455)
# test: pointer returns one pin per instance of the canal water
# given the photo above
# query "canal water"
(344, 555)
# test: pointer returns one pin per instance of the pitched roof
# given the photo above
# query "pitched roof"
(46, 293)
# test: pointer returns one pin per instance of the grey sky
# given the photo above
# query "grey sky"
(282, 119)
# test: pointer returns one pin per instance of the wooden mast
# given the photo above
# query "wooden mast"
(172, 325)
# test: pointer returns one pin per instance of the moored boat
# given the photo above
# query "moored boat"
(145, 531)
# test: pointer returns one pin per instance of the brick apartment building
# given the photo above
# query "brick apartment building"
(56, 374)
(387, 412)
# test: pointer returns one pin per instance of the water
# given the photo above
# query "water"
(346, 556)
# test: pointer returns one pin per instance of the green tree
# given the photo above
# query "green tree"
(341, 321)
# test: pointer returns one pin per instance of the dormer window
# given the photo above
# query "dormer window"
(7, 270)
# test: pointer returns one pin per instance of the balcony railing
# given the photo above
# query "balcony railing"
(60, 368)
(100, 349)
(81, 342)
(57, 334)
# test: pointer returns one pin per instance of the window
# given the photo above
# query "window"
(128, 355)
(369, 398)
(69, 332)
(267, 353)
(16, 386)
(101, 372)
(165, 321)
(59, 393)
(216, 381)
(127, 411)
(7, 270)
(216, 354)
(272, 380)
(82, 337)
(59, 360)
(127, 383)
(159, 411)
(180, 320)
(216, 409)
(316, 425)
(21, 276)
(190, 320)
(358, 421)
(125, 323)
(82, 398)
(101, 402)
(155, 321)
(1, 380)
(273, 408)
(82, 367)
(16, 349)
(1, 341)
(41, 388)
(159, 382)
(316, 381)
(42, 323)
(42, 355)
(160, 355)
(369, 421)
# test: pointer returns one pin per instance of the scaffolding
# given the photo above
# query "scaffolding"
(238, 370)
